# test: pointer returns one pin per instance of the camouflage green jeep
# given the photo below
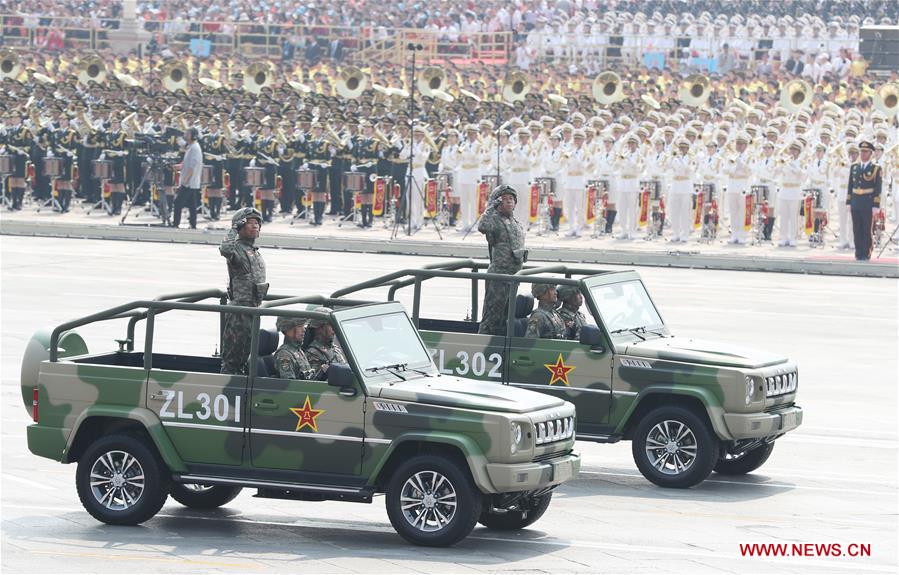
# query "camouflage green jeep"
(162, 420)
(690, 407)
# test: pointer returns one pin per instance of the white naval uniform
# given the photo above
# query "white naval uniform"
(792, 175)
(844, 214)
(576, 167)
(604, 168)
(682, 172)
(518, 164)
(629, 166)
(469, 170)
(421, 153)
(737, 187)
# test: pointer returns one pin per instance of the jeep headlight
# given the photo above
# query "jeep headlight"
(750, 387)
(516, 436)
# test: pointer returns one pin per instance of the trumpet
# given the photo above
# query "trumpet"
(382, 138)
(334, 137)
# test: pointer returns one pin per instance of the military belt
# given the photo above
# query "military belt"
(863, 191)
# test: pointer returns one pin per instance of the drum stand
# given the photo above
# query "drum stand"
(350, 217)
(162, 212)
(103, 204)
(7, 201)
(304, 211)
(52, 201)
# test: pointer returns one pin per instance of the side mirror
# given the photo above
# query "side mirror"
(591, 337)
(341, 375)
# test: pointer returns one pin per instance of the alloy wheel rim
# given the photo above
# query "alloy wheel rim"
(428, 501)
(671, 447)
(117, 480)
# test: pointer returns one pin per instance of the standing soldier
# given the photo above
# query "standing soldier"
(469, 171)
(863, 199)
(115, 150)
(629, 167)
(366, 152)
(739, 170)
(65, 143)
(323, 350)
(318, 157)
(246, 287)
(792, 174)
(570, 312)
(840, 186)
(683, 170)
(505, 244)
(214, 152)
(290, 361)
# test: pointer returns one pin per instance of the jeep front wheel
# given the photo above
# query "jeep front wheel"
(674, 447)
(524, 512)
(745, 462)
(431, 500)
(120, 481)
(200, 496)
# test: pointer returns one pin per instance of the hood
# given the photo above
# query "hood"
(469, 394)
(703, 352)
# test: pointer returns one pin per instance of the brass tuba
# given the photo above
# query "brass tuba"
(9, 65)
(607, 88)
(92, 69)
(886, 99)
(175, 76)
(694, 90)
(351, 82)
(257, 76)
(796, 95)
(431, 79)
(515, 86)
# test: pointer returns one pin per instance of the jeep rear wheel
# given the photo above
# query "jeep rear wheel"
(674, 447)
(431, 500)
(744, 462)
(120, 480)
(200, 496)
(524, 512)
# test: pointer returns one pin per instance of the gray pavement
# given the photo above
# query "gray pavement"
(834, 480)
(285, 233)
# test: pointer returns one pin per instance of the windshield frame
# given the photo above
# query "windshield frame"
(366, 376)
(616, 279)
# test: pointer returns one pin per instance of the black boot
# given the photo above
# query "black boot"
(768, 230)
(554, 219)
(318, 209)
(452, 215)
(215, 208)
(18, 196)
(610, 219)
(268, 210)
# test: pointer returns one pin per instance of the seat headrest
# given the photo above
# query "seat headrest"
(268, 341)
(524, 305)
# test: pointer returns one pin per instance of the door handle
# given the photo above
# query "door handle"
(266, 404)
(523, 360)
(157, 396)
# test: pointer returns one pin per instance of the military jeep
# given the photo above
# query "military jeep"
(147, 421)
(689, 407)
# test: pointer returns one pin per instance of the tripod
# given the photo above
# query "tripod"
(410, 181)
(152, 173)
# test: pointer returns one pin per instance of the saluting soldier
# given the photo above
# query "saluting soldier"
(863, 199)
(505, 244)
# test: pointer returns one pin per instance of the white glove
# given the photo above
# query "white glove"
(281, 149)
(305, 165)
(102, 156)
(353, 167)
(50, 154)
(253, 163)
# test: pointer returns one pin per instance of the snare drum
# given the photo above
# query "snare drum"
(444, 180)
(54, 167)
(655, 190)
(101, 169)
(253, 176)
(6, 164)
(206, 176)
(354, 181)
(306, 179)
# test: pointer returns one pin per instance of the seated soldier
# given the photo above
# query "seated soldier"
(290, 361)
(545, 322)
(323, 350)
(570, 312)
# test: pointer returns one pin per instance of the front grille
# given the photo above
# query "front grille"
(554, 430)
(776, 385)
(548, 456)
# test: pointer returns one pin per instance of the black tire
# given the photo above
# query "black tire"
(198, 496)
(745, 462)
(697, 448)
(525, 513)
(456, 479)
(122, 499)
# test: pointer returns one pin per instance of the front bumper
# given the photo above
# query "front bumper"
(533, 475)
(752, 425)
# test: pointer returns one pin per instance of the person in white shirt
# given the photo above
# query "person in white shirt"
(764, 173)
(188, 194)
(792, 174)
(840, 185)
(629, 165)
(738, 169)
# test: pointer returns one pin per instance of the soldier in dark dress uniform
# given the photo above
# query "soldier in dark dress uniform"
(863, 197)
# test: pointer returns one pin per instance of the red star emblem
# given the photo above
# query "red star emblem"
(559, 371)
(306, 415)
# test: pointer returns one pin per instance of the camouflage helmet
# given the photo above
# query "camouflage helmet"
(284, 324)
(313, 323)
(538, 290)
(566, 291)
(502, 190)
(241, 217)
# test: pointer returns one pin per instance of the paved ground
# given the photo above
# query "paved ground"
(716, 255)
(832, 481)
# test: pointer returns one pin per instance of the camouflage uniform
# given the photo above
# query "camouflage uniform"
(505, 242)
(246, 287)
(545, 322)
(572, 317)
(291, 362)
(319, 354)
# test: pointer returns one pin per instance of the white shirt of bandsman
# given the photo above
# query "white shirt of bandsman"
(552, 159)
